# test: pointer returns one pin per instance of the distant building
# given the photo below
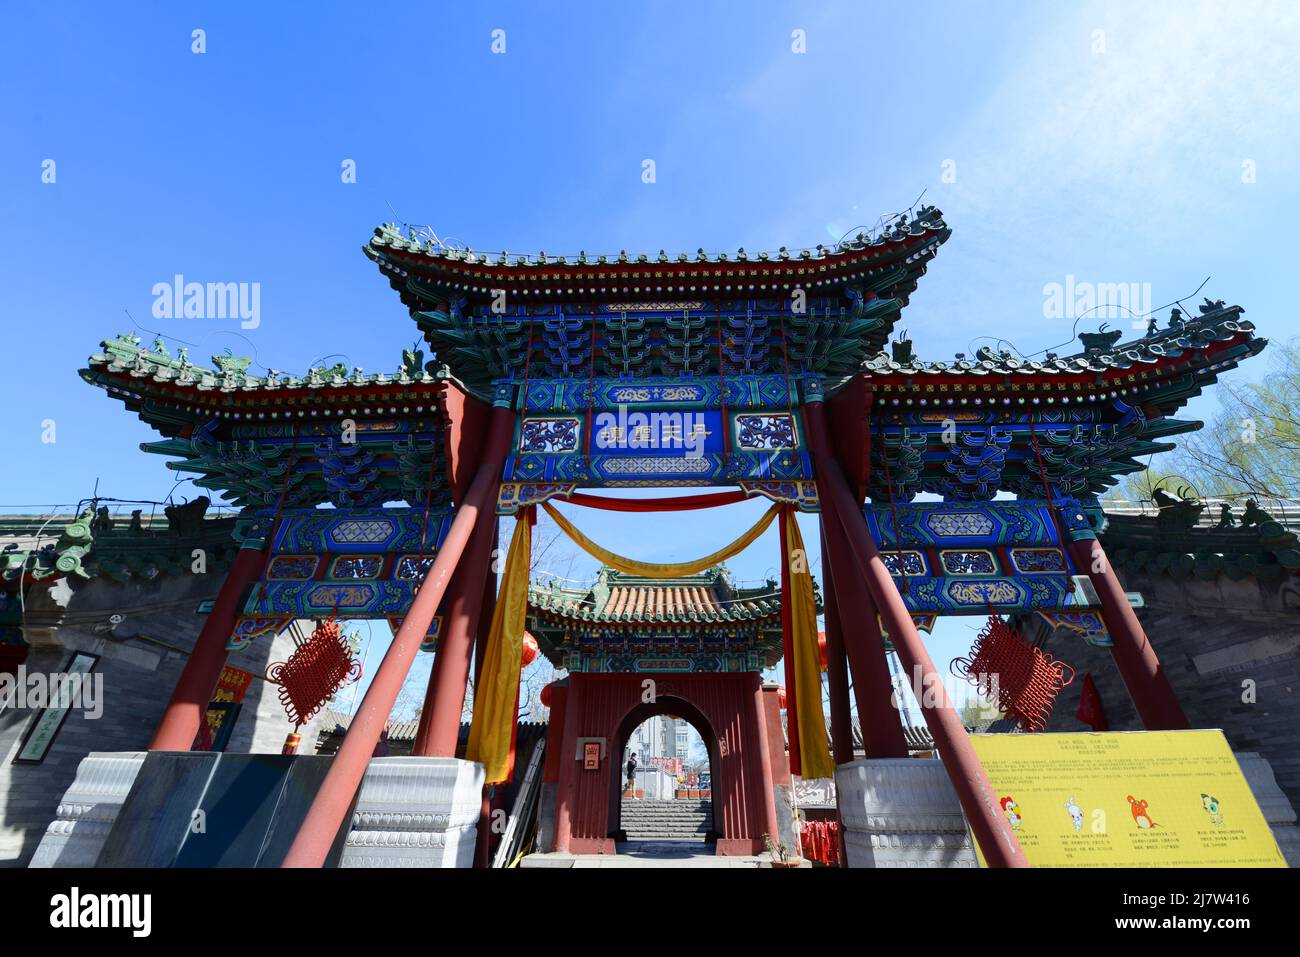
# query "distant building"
(661, 741)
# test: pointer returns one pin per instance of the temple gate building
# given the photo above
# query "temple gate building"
(771, 375)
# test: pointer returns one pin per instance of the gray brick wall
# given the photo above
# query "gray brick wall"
(139, 671)
(1215, 640)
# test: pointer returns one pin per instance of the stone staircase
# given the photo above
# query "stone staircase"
(688, 820)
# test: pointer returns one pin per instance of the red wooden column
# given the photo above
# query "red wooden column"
(330, 806)
(1147, 684)
(189, 702)
(873, 689)
(567, 793)
(489, 602)
(770, 824)
(969, 780)
(787, 655)
(837, 675)
(444, 701)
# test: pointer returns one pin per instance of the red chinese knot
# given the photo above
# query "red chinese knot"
(1024, 679)
(314, 673)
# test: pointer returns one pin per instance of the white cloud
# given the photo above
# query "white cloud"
(1161, 118)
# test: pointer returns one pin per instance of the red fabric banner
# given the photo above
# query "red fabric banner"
(820, 841)
(680, 503)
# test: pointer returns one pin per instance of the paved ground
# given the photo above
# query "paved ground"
(646, 854)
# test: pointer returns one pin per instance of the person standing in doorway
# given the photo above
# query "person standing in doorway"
(631, 774)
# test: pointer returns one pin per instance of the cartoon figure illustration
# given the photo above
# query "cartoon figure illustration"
(1076, 815)
(1140, 815)
(1211, 805)
(1012, 810)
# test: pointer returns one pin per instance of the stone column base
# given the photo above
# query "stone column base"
(901, 812)
(88, 809)
(416, 812)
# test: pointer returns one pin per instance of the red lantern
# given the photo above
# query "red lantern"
(780, 698)
(821, 649)
(529, 650)
(547, 694)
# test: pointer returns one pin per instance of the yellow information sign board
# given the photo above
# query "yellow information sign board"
(1127, 799)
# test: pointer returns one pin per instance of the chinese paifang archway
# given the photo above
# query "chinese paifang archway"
(770, 375)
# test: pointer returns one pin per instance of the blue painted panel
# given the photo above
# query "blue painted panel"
(1037, 583)
(968, 524)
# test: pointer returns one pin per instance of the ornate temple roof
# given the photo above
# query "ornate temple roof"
(584, 278)
(574, 328)
(1078, 422)
(704, 618)
(230, 391)
(617, 598)
(1199, 348)
(277, 439)
(578, 316)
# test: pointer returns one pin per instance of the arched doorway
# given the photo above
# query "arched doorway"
(600, 712)
(675, 707)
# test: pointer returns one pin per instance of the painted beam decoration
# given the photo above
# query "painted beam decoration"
(659, 432)
(349, 563)
(973, 558)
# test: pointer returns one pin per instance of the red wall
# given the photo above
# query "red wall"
(723, 703)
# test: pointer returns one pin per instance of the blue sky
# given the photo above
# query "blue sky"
(1106, 142)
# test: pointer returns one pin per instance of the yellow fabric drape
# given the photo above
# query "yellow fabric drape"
(676, 570)
(814, 748)
(491, 729)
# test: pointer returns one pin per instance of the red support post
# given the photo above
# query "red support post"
(1147, 684)
(837, 676)
(445, 698)
(189, 702)
(787, 657)
(770, 823)
(873, 688)
(489, 603)
(567, 793)
(486, 610)
(330, 806)
(991, 829)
